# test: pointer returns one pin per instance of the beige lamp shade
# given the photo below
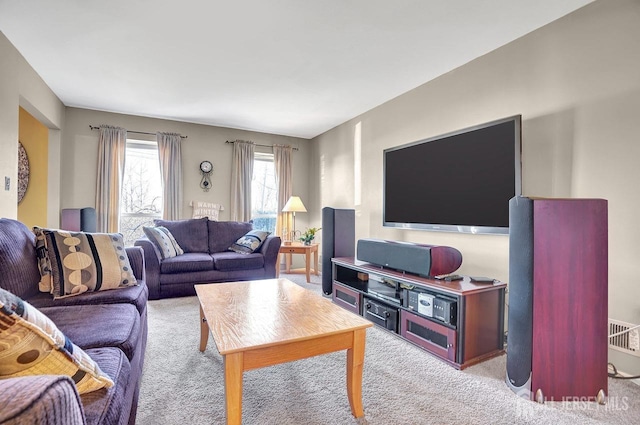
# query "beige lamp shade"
(294, 204)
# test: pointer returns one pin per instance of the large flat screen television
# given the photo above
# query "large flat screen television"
(457, 182)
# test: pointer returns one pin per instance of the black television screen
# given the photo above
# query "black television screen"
(457, 182)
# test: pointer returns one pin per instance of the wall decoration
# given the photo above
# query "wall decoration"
(206, 167)
(23, 172)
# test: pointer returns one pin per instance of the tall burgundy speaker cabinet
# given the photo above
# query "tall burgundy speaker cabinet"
(338, 240)
(557, 317)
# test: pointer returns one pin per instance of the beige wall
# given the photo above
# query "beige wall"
(80, 155)
(20, 86)
(576, 83)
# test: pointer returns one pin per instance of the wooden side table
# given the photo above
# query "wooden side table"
(299, 248)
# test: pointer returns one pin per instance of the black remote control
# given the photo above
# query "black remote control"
(453, 277)
(449, 277)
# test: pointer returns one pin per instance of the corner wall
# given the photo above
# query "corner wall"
(575, 82)
(20, 86)
(34, 136)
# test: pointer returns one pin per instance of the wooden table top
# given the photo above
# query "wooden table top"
(287, 245)
(262, 313)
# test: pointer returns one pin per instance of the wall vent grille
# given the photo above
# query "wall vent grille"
(624, 337)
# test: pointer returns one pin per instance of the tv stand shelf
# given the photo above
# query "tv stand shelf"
(460, 322)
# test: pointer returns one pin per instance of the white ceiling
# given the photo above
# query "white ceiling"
(290, 67)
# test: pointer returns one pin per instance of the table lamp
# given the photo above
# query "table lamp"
(294, 205)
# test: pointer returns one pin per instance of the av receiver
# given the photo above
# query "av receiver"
(434, 306)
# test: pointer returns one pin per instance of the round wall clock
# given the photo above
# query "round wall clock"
(206, 167)
(23, 172)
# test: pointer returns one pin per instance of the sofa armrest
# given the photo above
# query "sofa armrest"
(270, 249)
(152, 266)
(40, 399)
(136, 259)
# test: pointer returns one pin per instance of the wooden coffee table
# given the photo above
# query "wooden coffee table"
(261, 323)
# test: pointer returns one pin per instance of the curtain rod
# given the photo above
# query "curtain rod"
(93, 127)
(265, 146)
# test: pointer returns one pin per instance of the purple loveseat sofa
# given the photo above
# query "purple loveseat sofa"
(206, 257)
(110, 326)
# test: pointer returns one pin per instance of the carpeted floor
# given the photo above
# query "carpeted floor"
(402, 384)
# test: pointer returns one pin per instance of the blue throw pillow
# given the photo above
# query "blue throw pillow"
(250, 242)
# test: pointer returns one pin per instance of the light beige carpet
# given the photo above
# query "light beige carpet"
(402, 384)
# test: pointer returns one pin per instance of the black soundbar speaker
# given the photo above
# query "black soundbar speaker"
(338, 240)
(420, 259)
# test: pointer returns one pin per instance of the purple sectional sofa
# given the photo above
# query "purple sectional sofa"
(206, 257)
(110, 326)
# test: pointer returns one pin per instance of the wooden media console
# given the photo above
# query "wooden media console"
(460, 322)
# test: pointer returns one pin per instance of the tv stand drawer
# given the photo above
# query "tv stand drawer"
(431, 336)
(346, 297)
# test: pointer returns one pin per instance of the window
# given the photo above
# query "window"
(141, 194)
(264, 193)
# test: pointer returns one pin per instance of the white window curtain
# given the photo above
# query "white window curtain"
(170, 156)
(112, 147)
(241, 175)
(284, 179)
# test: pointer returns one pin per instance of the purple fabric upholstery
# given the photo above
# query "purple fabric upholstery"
(41, 399)
(222, 234)
(188, 233)
(152, 258)
(136, 295)
(18, 261)
(86, 325)
(113, 320)
(174, 277)
(192, 262)
(225, 261)
(109, 405)
(182, 284)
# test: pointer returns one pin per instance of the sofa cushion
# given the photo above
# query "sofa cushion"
(163, 240)
(18, 265)
(87, 262)
(134, 295)
(93, 326)
(226, 261)
(190, 234)
(222, 234)
(191, 262)
(33, 345)
(250, 242)
(109, 406)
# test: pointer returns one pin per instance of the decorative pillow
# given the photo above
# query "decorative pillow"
(31, 344)
(164, 240)
(87, 262)
(206, 209)
(250, 242)
(44, 265)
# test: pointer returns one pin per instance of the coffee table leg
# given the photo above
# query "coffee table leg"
(204, 331)
(233, 387)
(355, 362)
